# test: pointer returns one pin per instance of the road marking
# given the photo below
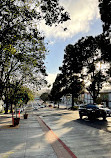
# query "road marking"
(58, 145)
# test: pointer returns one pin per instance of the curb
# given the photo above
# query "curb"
(59, 140)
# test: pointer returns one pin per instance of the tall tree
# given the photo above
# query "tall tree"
(44, 96)
(22, 48)
(105, 12)
(57, 89)
(105, 38)
(84, 55)
(96, 79)
(91, 55)
(71, 70)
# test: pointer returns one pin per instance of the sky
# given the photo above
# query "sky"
(85, 21)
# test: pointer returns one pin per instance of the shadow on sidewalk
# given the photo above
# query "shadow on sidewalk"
(97, 123)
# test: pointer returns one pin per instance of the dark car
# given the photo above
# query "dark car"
(108, 111)
(92, 112)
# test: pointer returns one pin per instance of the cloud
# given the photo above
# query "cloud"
(82, 13)
(51, 42)
(51, 78)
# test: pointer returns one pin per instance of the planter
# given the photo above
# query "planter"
(25, 116)
(16, 121)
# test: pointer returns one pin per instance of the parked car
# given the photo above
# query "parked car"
(22, 109)
(50, 105)
(42, 106)
(108, 111)
(38, 104)
(35, 108)
(92, 112)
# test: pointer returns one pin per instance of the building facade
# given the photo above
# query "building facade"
(1, 105)
(86, 98)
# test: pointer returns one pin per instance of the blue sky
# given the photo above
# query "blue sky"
(85, 21)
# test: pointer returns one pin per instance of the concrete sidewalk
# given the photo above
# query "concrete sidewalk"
(31, 139)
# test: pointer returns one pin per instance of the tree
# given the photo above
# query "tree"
(85, 55)
(22, 48)
(82, 57)
(104, 44)
(105, 12)
(10, 94)
(53, 13)
(18, 46)
(44, 97)
(16, 94)
(91, 54)
(97, 79)
(57, 90)
(71, 70)
(105, 38)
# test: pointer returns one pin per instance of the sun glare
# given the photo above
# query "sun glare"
(101, 66)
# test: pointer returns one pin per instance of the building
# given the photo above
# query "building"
(105, 98)
(1, 105)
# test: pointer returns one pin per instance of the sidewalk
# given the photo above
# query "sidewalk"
(5, 121)
(31, 139)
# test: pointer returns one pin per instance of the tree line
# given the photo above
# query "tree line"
(22, 47)
(83, 62)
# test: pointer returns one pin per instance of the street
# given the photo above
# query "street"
(85, 139)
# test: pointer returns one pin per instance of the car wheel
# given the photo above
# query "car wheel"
(80, 116)
(89, 117)
(104, 118)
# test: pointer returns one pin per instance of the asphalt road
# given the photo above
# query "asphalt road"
(86, 139)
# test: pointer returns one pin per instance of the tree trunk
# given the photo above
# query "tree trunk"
(58, 105)
(94, 95)
(54, 104)
(72, 100)
(11, 109)
(6, 108)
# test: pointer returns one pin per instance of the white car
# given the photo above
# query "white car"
(35, 108)
(42, 106)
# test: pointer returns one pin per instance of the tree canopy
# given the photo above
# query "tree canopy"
(22, 47)
(80, 63)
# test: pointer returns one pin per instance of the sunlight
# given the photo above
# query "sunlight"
(102, 66)
(20, 146)
(36, 136)
(51, 137)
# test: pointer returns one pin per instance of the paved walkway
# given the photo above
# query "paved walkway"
(83, 137)
(31, 139)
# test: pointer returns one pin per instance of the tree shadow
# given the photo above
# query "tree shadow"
(97, 123)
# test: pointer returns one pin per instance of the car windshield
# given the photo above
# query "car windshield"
(91, 106)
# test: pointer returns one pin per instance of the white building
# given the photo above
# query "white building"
(1, 105)
(109, 99)
(86, 98)
(104, 95)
